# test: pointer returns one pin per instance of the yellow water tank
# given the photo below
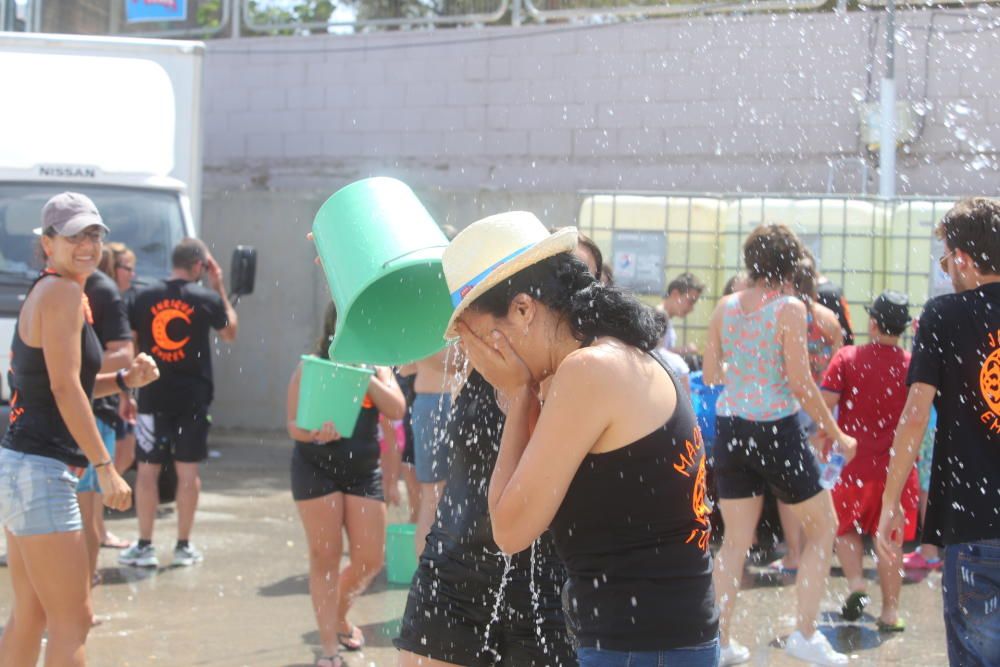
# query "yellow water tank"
(845, 236)
(912, 251)
(650, 239)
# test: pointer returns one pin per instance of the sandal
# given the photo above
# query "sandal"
(353, 640)
(855, 605)
(898, 626)
(112, 541)
(330, 661)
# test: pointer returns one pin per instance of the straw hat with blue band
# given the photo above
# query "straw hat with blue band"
(493, 249)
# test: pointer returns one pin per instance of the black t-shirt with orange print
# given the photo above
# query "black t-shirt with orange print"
(173, 320)
(957, 350)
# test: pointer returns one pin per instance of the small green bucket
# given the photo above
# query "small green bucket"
(400, 557)
(381, 253)
(330, 392)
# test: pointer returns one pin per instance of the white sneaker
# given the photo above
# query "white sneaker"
(734, 654)
(139, 556)
(185, 556)
(816, 649)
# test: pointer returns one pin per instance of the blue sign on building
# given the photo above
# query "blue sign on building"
(139, 11)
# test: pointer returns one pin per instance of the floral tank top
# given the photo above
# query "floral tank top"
(757, 387)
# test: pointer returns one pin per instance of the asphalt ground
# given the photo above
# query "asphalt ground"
(248, 603)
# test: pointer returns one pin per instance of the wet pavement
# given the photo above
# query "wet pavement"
(248, 603)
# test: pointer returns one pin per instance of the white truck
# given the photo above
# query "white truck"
(118, 119)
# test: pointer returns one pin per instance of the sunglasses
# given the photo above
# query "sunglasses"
(93, 235)
(943, 261)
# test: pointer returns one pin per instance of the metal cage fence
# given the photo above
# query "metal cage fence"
(863, 244)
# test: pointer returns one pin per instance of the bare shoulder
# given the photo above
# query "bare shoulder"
(725, 302)
(792, 310)
(602, 361)
(824, 313)
(58, 293)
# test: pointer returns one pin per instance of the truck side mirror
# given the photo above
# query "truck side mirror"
(243, 270)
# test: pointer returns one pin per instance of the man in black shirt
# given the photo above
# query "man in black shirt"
(956, 366)
(110, 322)
(173, 321)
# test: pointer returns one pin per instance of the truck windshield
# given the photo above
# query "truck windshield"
(149, 222)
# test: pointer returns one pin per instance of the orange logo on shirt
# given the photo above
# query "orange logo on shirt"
(15, 411)
(165, 313)
(989, 386)
(696, 452)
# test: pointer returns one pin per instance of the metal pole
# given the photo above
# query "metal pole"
(887, 141)
(515, 12)
(236, 16)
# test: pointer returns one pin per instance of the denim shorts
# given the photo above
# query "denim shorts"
(37, 495)
(700, 655)
(430, 415)
(970, 583)
(88, 481)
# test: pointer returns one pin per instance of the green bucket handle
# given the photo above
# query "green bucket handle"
(411, 252)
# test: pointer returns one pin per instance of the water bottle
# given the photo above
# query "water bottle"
(831, 471)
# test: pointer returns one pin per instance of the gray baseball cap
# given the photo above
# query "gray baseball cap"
(70, 213)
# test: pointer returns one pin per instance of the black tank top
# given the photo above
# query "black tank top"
(462, 528)
(361, 449)
(633, 532)
(36, 427)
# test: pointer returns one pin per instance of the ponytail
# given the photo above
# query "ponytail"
(591, 309)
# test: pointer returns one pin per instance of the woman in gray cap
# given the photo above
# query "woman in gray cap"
(55, 363)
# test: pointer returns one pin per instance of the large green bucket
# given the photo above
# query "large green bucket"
(400, 557)
(381, 252)
(330, 392)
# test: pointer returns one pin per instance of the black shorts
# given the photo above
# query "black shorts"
(319, 470)
(750, 456)
(163, 437)
(123, 429)
(450, 607)
(408, 447)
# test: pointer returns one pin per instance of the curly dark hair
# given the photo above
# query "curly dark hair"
(772, 253)
(564, 284)
(973, 226)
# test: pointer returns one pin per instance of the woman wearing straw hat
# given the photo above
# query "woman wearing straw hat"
(599, 443)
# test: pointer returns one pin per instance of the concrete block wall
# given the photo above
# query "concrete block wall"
(483, 120)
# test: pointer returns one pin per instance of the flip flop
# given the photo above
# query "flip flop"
(353, 640)
(854, 605)
(112, 541)
(898, 626)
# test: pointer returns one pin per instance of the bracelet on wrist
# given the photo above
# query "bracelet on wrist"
(120, 381)
(102, 464)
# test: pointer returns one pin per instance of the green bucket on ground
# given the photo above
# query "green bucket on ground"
(381, 253)
(400, 557)
(330, 392)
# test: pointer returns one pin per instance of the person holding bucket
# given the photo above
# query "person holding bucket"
(337, 485)
(599, 443)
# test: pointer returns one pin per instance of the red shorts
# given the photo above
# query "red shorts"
(859, 505)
